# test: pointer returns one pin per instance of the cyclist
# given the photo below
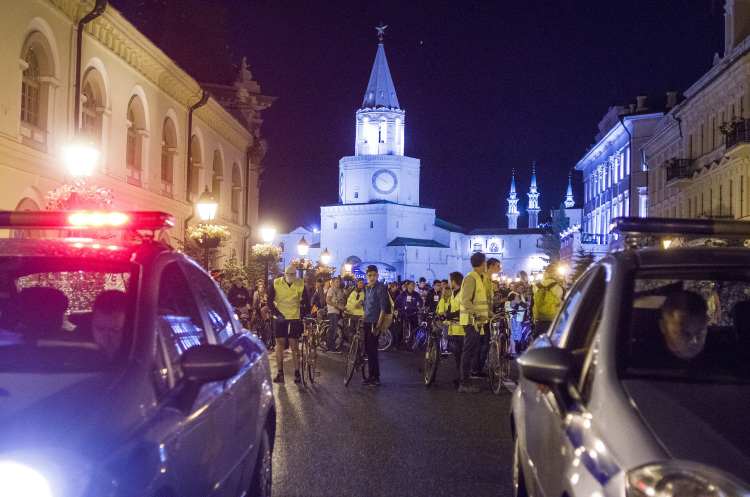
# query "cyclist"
(355, 304)
(515, 307)
(408, 302)
(336, 305)
(547, 300)
(376, 307)
(239, 298)
(443, 307)
(474, 314)
(260, 309)
(455, 330)
(285, 299)
(480, 358)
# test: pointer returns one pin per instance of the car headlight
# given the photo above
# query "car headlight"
(682, 479)
(19, 480)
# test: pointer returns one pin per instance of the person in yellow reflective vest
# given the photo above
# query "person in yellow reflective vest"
(442, 309)
(474, 313)
(455, 330)
(355, 304)
(483, 348)
(547, 300)
(285, 298)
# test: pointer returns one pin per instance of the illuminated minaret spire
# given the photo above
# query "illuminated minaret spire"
(569, 202)
(533, 208)
(512, 204)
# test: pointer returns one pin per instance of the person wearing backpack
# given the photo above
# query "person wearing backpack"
(547, 299)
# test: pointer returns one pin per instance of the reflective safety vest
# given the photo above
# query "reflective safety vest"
(479, 299)
(288, 297)
(454, 327)
(487, 281)
(351, 303)
(548, 295)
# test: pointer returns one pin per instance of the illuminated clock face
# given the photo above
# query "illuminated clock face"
(341, 185)
(384, 181)
(494, 248)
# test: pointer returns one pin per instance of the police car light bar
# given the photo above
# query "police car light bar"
(141, 220)
(669, 226)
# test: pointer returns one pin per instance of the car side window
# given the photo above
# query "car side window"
(213, 304)
(178, 319)
(569, 307)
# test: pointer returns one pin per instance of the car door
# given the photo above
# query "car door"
(196, 447)
(244, 389)
(546, 444)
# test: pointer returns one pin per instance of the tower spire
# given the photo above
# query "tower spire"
(533, 200)
(512, 204)
(380, 90)
(569, 202)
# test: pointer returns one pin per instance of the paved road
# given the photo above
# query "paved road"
(401, 438)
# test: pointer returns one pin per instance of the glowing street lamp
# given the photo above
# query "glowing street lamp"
(267, 234)
(206, 206)
(81, 156)
(518, 279)
(302, 247)
(348, 267)
(325, 257)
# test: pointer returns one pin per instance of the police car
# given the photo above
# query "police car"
(123, 370)
(641, 386)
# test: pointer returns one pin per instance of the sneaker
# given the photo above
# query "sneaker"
(372, 382)
(297, 377)
(279, 378)
(467, 389)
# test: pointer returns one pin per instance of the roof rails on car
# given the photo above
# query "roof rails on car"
(636, 232)
(85, 220)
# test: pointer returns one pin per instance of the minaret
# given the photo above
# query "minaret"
(569, 202)
(512, 204)
(380, 120)
(533, 208)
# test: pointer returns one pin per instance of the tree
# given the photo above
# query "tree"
(551, 241)
(232, 270)
(582, 261)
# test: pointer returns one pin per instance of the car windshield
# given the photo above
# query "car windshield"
(691, 326)
(64, 315)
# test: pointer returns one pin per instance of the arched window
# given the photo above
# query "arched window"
(37, 98)
(168, 153)
(30, 90)
(281, 246)
(196, 161)
(236, 189)
(218, 177)
(93, 103)
(88, 112)
(136, 132)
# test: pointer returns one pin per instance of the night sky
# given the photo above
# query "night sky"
(487, 86)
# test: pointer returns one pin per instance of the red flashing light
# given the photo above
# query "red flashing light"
(144, 220)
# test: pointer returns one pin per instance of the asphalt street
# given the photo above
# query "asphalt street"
(401, 438)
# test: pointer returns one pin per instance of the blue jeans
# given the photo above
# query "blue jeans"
(333, 318)
(371, 349)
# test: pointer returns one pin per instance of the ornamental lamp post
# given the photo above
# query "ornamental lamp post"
(348, 269)
(206, 206)
(302, 248)
(81, 157)
(267, 235)
(325, 257)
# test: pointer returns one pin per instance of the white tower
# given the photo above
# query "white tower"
(512, 204)
(379, 170)
(569, 202)
(533, 208)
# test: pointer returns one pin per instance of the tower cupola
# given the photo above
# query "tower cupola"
(533, 208)
(380, 120)
(512, 204)
(569, 202)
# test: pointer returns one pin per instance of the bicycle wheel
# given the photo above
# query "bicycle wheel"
(385, 340)
(268, 334)
(304, 358)
(351, 360)
(363, 362)
(504, 355)
(312, 359)
(493, 369)
(431, 360)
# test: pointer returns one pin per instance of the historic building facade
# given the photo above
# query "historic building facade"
(699, 157)
(135, 105)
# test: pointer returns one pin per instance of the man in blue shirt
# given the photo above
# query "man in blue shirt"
(409, 302)
(377, 305)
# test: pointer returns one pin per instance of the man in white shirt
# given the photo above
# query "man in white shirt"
(336, 305)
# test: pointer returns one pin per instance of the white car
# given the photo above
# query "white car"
(608, 406)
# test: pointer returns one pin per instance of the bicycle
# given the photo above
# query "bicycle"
(419, 338)
(498, 359)
(309, 354)
(356, 360)
(434, 351)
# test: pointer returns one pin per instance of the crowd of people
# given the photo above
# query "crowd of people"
(465, 303)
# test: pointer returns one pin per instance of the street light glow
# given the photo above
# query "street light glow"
(206, 205)
(81, 156)
(267, 234)
(302, 247)
(325, 257)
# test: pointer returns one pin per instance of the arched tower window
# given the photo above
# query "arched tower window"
(168, 153)
(236, 189)
(30, 90)
(218, 177)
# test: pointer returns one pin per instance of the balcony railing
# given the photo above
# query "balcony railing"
(739, 133)
(679, 169)
(593, 238)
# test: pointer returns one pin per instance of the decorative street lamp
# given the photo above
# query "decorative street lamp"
(81, 157)
(207, 205)
(348, 267)
(267, 235)
(325, 257)
(302, 248)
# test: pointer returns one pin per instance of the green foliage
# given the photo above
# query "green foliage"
(232, 270)
(582, 261)
(197, 253)
(551, 241)
(255, 268)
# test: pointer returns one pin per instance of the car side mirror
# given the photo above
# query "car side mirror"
(207, 363)
(550, 366)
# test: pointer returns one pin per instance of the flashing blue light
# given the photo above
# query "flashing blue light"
(19, 480)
